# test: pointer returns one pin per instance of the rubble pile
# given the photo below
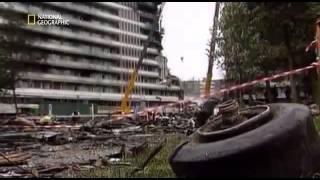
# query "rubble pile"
(51, 152)
(36, 147)
(182, 121)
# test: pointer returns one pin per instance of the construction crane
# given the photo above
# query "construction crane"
(125, 104)
(212, 49)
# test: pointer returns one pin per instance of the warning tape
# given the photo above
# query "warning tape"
(202, 97)
(222, 91)
(276, 76)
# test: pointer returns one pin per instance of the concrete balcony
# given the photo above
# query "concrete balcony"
(142, 73)
(94, 12)
(91, 81)
(79, 51)
(68, 94)
(147, 4)
(83, 37)
(90, 66)
(69, 79)
(146, 15)
(20, 8)
(72, 50)
(113, 5)
(102, 28)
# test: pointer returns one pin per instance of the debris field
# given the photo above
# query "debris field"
(48, 147)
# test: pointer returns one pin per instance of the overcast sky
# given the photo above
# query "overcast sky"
(186, 35)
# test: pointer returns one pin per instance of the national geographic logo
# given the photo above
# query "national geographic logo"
(47, 20)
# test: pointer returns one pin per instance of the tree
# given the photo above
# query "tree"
(241, 47)
(14, 49)
(285, 26)
(259, 38)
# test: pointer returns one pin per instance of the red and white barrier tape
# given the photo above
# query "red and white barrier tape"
(221, 91)
(225, 90)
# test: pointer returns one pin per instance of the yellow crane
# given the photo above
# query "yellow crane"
(212, 49)
(125, 104)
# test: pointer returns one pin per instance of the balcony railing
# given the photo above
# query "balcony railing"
(78, 51)
(69, 94)
(23, 9)
(94, 12)
(90, 66)
(84, 80)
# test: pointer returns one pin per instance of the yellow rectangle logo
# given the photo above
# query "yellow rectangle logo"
(31, 19)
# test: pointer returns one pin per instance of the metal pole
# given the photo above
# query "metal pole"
(78, 109)
(50, 109)
(212, 49)
(92, 111)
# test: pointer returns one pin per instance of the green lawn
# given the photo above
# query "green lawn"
(157, 167)
(317, 122)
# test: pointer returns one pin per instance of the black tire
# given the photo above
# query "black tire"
(259, 115)
(284, 146)
(206, 111)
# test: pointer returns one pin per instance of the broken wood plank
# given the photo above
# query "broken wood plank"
(96, 137)
(53, 169)
(14, 159)
(13, 163)
(154, 152)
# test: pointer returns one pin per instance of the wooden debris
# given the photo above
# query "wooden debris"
(154, 152)
(14, 159)
(23, 122)
(10, 162)
(53, 169)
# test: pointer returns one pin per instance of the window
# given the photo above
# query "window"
(56, 85)
(106, 50)
(85, 74)
(37, 84)
(75, 59)
(75, 30)
(86, 18)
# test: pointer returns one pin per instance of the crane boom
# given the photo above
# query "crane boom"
(212, 49)
(125, 106)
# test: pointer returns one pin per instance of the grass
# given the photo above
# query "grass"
(157, 167)
(317, 123)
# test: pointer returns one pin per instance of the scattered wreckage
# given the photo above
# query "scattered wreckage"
(48, 147)
(222, 135)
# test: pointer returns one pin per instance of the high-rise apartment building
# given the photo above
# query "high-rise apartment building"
(90, 60)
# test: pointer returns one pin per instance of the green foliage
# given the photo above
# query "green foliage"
(316, 121)
(258, 38)
(13, 47)
(239, 45)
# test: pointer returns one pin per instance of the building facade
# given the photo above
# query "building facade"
(90, 60)
(191, 88)
(164, 71)
(196, 88)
